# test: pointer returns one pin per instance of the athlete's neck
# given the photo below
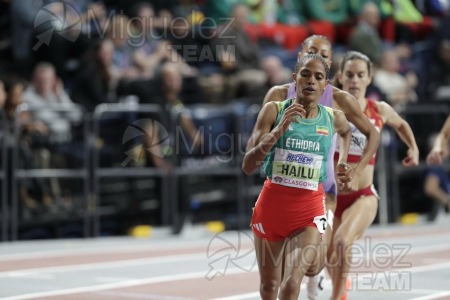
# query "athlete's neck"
(311, 110)
(362, 102)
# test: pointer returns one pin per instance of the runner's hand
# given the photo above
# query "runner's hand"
(292, 114)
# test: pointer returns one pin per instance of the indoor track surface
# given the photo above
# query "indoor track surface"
(394, 262)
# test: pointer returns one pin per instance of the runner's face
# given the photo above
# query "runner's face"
(311, 81)
(355, 78)
(317, 46)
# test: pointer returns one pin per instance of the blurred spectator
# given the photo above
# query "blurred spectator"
(46, 92)
(14, 88)
(4, 22)
(278, 23)
(444, 30)
(387, 25)
(404, 54)
(333, 11)
(276, 73)
(289, 12)
(188, 43)
(239, 57)
(94, 17)
(433, 7)
(119, 32)
(31, 147)
(151, 50)
(355, 7)
(262, 11)
(399, 89)
(22, 16)
(365, 38)
(305, 19)
(150, 154)
(439, 146)
(128, 5)
(219, 11)
(97, 81)
(437, 185)
(46, 87)
(56, 36)
(171, 80)
(2, 95)
(410, 23)
(439, 81)
(172, 84)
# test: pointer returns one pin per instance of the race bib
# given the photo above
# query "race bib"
(321, 223)
(358, 143)
(296, 169)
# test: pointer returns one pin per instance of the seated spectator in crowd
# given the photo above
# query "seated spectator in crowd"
(263, 11)
(2, 95)
(94, 17)
(193, 47)
(439, 149)
(399, 89)
(33, 152)
(332, 11)
(296, 20)
(46, 92)
(290, 12)
(161, 6)
(404, 54)
(410, 23)
(46, 87)
(22, 14)
(151, 48)
(365, 37)
(97, 80)
(187, 42)
(239, 57)
(387, 26)
(437, 185)
(171, 81)
(276, 73)
(219, 11)
(46, 41)
(439, 81)
(119, 32)
(14, 88)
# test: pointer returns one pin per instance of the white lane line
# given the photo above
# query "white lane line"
(169, 278)
(328, 282)
(104, 279)
(426, 268)
(423, 291)
(140, 296)
(240, 296)
(248, 295)
(104, 245)
(128, 283)
(107, 265)
(161, 260)
(433, 296)
(107, 249)
(21, 274)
